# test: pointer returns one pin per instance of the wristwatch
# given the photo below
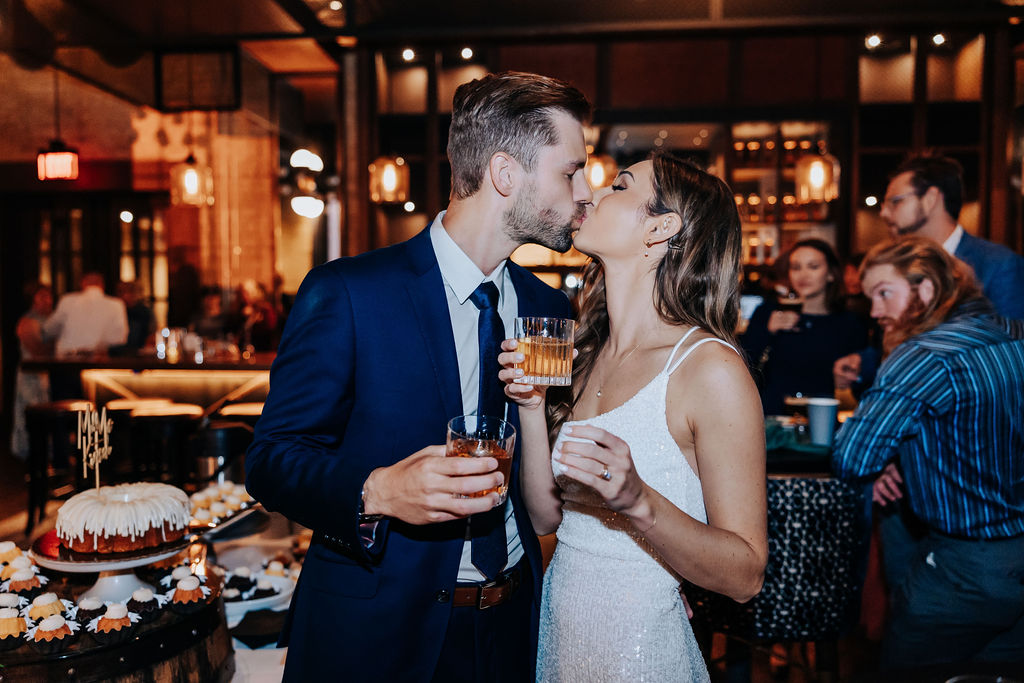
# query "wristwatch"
(363, 517)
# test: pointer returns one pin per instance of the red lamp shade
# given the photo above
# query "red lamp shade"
(59, 162)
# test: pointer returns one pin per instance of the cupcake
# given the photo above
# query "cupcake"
(45, 605)
(8, 551)
(242, 494)
(201, 517)
(147, 605)
(89, 609)
(178, 574)
(200, 500)
(12, 628)
(17, 563)
(218, 510)
(233, 503)
(231, 595)
(26, 583)
(12, 600)
(241, 579)
(115, 626)
(275, 568)
(225, 487)
(264, 589)
(188, 595)
(52, 634)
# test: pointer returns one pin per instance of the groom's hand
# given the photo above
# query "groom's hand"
(423, 488)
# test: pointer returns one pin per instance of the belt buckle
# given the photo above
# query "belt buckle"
(501, 580)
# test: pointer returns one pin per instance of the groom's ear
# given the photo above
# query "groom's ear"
(504, 173)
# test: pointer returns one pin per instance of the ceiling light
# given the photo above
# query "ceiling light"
(335, 5)
(307, 207)
(408, 54)
(467, 53)
(127, 217)
(303, 158)
(873, 41)
(58, 161)
(938, 39)
(409, 207)
(871, 200)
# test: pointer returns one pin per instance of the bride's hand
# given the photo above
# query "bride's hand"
(602, 462)
(527, 396)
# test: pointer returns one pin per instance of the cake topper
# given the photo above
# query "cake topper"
(94, 440)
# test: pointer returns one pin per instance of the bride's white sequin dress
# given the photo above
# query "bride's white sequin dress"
(611, 609)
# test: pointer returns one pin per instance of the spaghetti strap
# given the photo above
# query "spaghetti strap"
(690, 350)
(676, 348)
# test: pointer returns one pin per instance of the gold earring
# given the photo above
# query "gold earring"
(647, 252)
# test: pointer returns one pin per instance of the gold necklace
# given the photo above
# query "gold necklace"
(617, 366)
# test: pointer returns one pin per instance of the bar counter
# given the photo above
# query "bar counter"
(209, 384)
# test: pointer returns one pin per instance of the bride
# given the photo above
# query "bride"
(657, 472)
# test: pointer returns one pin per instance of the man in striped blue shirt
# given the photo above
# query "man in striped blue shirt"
(947, 406)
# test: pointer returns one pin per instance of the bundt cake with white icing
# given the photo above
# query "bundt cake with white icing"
(121, 518)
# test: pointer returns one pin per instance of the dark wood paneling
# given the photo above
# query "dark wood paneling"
(573, 62)
(660, 74)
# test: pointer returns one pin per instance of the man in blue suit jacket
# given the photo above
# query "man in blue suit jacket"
(924, 197)
(379, 352)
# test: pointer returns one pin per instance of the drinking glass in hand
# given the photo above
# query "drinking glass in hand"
(791, 304)
(546, 344)
(472, 436)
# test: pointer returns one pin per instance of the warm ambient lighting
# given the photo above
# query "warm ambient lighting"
(408, 54)
(389, 180)
(335, 5)
(127, 216)
(873, 41)
(817, 178)
(58, 162)
(600, 170)
(409, 207)
(307, 207)
(303, 158)
(467, 53)
(191, 183)
(938, 39)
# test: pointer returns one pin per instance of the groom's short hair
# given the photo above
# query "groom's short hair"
(506, 112)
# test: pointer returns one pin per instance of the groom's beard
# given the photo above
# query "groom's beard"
(524, 223)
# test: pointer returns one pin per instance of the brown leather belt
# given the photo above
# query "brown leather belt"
(488, 594)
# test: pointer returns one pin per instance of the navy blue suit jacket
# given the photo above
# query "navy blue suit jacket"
(366, 375)
(1000, 272)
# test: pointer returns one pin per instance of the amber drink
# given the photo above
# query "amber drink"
(546, 344)
(471, 436)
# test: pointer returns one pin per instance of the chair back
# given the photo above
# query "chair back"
(818, 531)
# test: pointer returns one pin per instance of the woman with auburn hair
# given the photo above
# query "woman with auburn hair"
(793, 350)
(657, 469)
(917, 260)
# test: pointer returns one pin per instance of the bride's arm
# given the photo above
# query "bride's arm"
(712, 404)
(540, 493)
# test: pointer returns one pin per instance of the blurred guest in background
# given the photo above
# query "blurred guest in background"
(31, 387)
(212, 321)
(794, 343)
(141, 322)
(256, 320)
(87, 321)
(946, 408)
(182, 287)
(924, 198)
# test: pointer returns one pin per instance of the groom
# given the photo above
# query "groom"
(404, 581)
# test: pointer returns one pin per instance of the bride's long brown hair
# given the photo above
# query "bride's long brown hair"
(697, 281)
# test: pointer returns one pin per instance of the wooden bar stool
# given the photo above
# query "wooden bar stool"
(160, 439)
(123, 461)
(52, 429)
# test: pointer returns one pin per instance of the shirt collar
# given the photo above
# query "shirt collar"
(457, 269)
(953, 241)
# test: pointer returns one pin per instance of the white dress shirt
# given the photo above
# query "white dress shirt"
(88, 320)
(953, 241)
(461, 277)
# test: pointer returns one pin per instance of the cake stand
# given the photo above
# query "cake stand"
(117, 581)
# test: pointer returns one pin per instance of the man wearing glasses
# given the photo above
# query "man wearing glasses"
(924, 198)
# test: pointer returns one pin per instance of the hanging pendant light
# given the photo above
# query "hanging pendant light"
(58, 161)
(389, 180)
(817, 177)
(191, 183)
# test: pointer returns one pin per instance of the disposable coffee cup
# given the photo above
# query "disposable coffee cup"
(821, 419)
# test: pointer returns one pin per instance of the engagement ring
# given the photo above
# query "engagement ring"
(606, 475)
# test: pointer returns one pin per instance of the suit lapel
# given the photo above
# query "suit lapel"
(430, 306)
